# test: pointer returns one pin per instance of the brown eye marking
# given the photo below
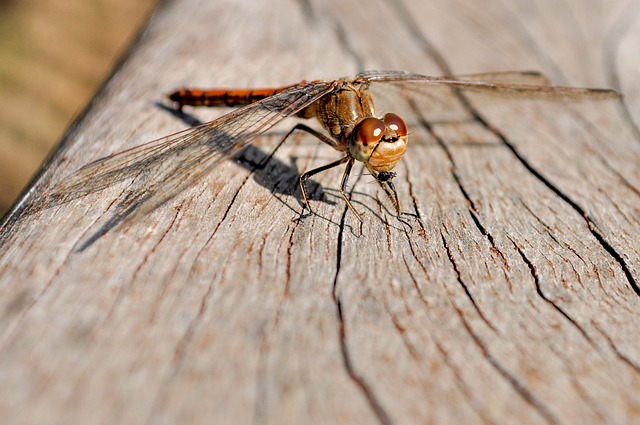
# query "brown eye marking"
(369, 130)
(395, 123)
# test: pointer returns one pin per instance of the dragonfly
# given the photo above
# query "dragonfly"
(343, 107)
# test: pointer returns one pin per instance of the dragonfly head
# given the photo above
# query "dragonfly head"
(379, 142)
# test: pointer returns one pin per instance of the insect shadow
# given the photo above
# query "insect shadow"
(268, 171)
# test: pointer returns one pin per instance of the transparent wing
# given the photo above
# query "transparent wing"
(534, 78)
(520, 85)
(164, 167)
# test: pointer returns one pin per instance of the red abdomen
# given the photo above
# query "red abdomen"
(222, 97)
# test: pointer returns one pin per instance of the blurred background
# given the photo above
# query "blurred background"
(53, 57)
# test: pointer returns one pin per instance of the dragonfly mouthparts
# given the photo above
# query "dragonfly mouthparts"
(385, 176)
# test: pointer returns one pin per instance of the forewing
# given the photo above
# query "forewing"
(164, 167)
(520, 85)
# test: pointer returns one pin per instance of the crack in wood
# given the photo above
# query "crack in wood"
(265, 344)
(602, 139)
(414, 202)
(536, 282)
(377, 408)
(460, 383)
(542, 223)
(591, 403)
(633, 365)
(464, 285)
(372, 399)
(519, 387)
(163, 289)
(469, 397)
(471, 207)
(593, 228)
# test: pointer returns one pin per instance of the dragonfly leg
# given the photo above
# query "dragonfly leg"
(384, 180)
(310, 173)
(391, 192)
(343, 187)
(323, 138)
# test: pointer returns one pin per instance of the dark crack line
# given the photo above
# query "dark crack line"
(463, 285)
(476, 405)
(413, 278)
(526, 395)
(593, 228)
(417, 357)
(374, 403)
(469, 397)
(262, 389)
(122, 291)
(565, 245)
(536, 281)
(633, 365)
(542, 223)
(83, 236)
(371, 398)
(414, 202)
(259, 166)
(473, 210)
(591, 403)
(471, 206)
(519, 387)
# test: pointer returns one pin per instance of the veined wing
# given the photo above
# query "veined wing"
(164, 167)
(519, 85)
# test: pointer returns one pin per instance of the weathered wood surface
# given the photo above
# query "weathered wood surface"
(514, 299)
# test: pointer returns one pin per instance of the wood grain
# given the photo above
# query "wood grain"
(514, 298)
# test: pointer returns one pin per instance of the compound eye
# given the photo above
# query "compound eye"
(395, 123)
(369, 130)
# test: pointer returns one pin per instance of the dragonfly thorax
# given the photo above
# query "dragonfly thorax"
(379, 142)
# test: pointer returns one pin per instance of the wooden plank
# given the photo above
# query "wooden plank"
(513, 298)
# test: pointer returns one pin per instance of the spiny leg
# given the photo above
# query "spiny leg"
(310, 173)
(384, 180)
(343, 186)
(311, 131)
(345, 176)
(392, 194)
